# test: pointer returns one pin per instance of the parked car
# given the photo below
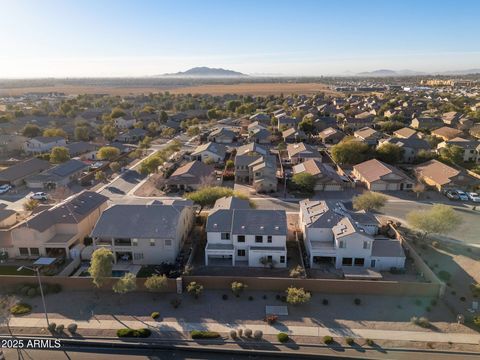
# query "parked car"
(5, 188)
(39, 196)
(474, 196)
(452, 194)
(462, 195)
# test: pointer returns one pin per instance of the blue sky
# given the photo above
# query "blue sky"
(135, 38)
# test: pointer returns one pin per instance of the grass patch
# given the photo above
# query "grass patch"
(12, 270)
(20, 309)
(202, 334)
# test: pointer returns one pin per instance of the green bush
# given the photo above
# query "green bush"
(476, 320)
(369, 342)
(327, 339)
(155, 315)
(248, 332)
(282, 337)
(444, 275)
(258, 334)
(72, 328)
(52, 327)
(60, 328)
(203, 334)
(138, 333)
(20, 309)
(349, 341)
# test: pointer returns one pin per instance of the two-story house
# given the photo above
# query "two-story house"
(144, 234)
(124, 122)
(300, 152)
(210, 152)
(43, 144)
(239, 235)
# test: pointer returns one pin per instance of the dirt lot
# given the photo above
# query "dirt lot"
(261, 89)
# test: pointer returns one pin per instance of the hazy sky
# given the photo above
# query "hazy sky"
(74, 38)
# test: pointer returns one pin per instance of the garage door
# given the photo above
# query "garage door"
(392, 187)
(333, 187)
(378, 186)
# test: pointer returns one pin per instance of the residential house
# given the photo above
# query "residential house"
(263, 174)
(405, 133)
(286, 122)
(191, 176)
(300, 152)
(149, 234)
(222, 136)
(443, 177)
(378, 176)
(426, 123)
(245, 155)
(410, 146)
(292, 135)
(16, 174)
(60, 230)
(85, 149)
(446, 133)
(452, 118)
(327, 179)
(343, 239)
(324, 122)
(59, 175)
(259, 135)
(331, 136)
(210, 152)
(43, 144)
(124, 122)
(470, 148)
(355, 123)
(11, 143)
(244, 236)
(367, 135)
(132, 136)
(262, 118)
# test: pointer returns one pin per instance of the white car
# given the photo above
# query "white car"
(5, 188)
(462, 195)
(39, 196)
(474, 196)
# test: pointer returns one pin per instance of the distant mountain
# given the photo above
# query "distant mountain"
(406, 72)
(461, 72)
(204, 71)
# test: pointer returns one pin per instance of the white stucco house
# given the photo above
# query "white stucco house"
(334, 236)
(148, 234)
(43, 144)
(209, 152)
(124, 122)
(238, 235)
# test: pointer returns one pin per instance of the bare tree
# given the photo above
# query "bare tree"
(207, 181)
(60, 193)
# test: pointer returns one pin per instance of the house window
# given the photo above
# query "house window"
(269, 258)
(241, 238)
(152, 242)
(269, 238)
(341, 244)
(359, 261)
(168, 243)
(34, 251)
(258, 238)
(241, 253)
(366, 245)
(23, 251)
(282, 259)
(138, 256)
(347, 261)
(225, 236)
(372, 263)
(134, 242)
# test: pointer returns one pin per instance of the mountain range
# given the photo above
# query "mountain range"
(406, 72)
(204, 71)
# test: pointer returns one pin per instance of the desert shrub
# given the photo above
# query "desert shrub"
(327, 339)
(138, 333)
(248, 332)
(420, 321)
(282, 337)
(60, 328)
(271, 319)
(357, 301)
(369, 342)
(175, 303)
(20, 309)
(444, 275)
(72, 328)
(155, 315)
(258, 334)
(240, 332)
(325, 301)
(233, 334)
(476, 320)
(52, 327)
(297, 296)
(202, 334)
(225, 297)
(238, 288)
(349, 341)
(194, 289)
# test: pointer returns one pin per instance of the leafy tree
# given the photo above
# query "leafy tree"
(193, 131)
(163, 117)
(59, 154)
(115, 166)
(138, 125)
(369, 201)
(101, 266)
(304, 182)
(81, 133)
(451, 154)
(306, 125)
(31, 130)
(168, 132)
(30, 204)
(150, 165)
(208, 195)
(55, 132)
(126, 283)
(389, 153)
(230, 164)
(145, 143)
(108, 153)
(100, 176)
(238, 288)
(297, 296)
(109, 132)
(195, 289)
(390, 126)
(438, 219)
(156, 283)
(424, 156)
(152, 127)
(117, 112)
(350, 151)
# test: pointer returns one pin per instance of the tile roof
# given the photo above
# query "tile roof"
(373, 170)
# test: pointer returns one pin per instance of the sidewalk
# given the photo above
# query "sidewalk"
(174, 326)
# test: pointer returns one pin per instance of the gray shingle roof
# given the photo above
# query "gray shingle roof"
(387, 248)
(23, 169)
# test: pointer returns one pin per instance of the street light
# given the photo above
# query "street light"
(37, 271)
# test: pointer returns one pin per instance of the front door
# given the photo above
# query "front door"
(372, 263)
